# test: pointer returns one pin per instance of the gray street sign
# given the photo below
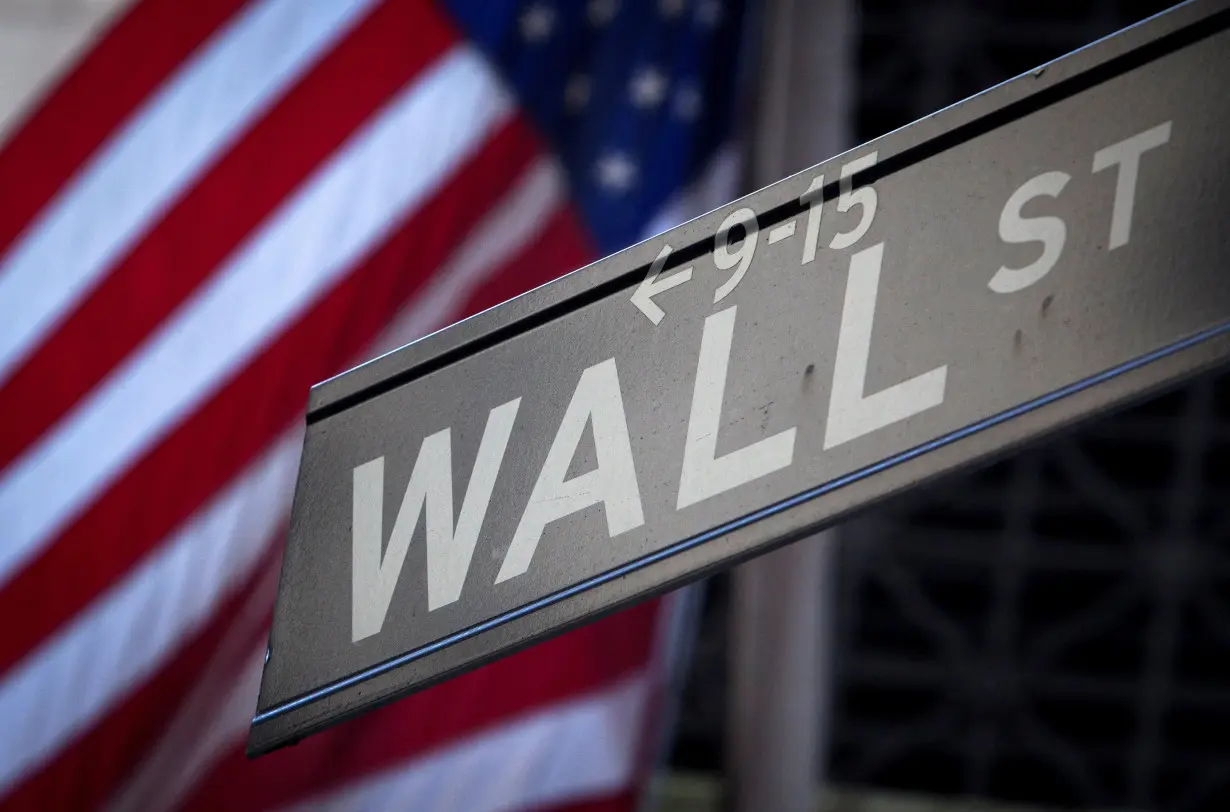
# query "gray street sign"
(1037, 254)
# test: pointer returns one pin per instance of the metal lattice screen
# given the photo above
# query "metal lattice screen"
(1054, 629)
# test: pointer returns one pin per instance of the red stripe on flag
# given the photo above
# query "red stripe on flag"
(388, 48)
(93, 766)
(623, 802)
(564, 241)
(149, 42)
(199, 457)
(579, 662)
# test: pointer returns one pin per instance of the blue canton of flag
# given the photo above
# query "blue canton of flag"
(635, 96)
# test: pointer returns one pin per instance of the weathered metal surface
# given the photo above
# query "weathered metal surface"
(1029, 257)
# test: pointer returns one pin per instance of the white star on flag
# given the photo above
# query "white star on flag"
(602, 12)
(708, 12)
(688, 102)
(648, 87)
(537, 22)
(670, 8)
(616, 171)
(576, 92)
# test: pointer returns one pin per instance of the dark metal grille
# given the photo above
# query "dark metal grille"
(1054, 629)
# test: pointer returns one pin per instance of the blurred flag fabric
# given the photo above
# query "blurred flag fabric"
(221, 203)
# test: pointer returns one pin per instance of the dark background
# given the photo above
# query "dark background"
(1054, 629)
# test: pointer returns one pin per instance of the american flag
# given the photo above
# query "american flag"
(222, 202)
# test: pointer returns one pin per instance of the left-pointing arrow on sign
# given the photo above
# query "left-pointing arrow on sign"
(652, 286)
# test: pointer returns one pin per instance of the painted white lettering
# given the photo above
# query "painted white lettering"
(724, 259)
(704, 473)
(1013, 228)
(851, 413)
(651, 286)
(598, 401)
(813, 199)
(373, 576)
(1126, 155)
(849, 197)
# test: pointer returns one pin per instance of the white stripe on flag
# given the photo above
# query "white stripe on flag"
(157, 154)
(574, 750)
(181, 755)
(505, 232)
(176, 589)
(387, 170)
(227, 724)
(82, 671)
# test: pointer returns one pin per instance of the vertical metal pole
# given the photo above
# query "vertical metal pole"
(780, 653)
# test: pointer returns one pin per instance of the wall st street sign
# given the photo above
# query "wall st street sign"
(1037, 254)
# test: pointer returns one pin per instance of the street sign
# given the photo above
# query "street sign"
(1039, 253)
